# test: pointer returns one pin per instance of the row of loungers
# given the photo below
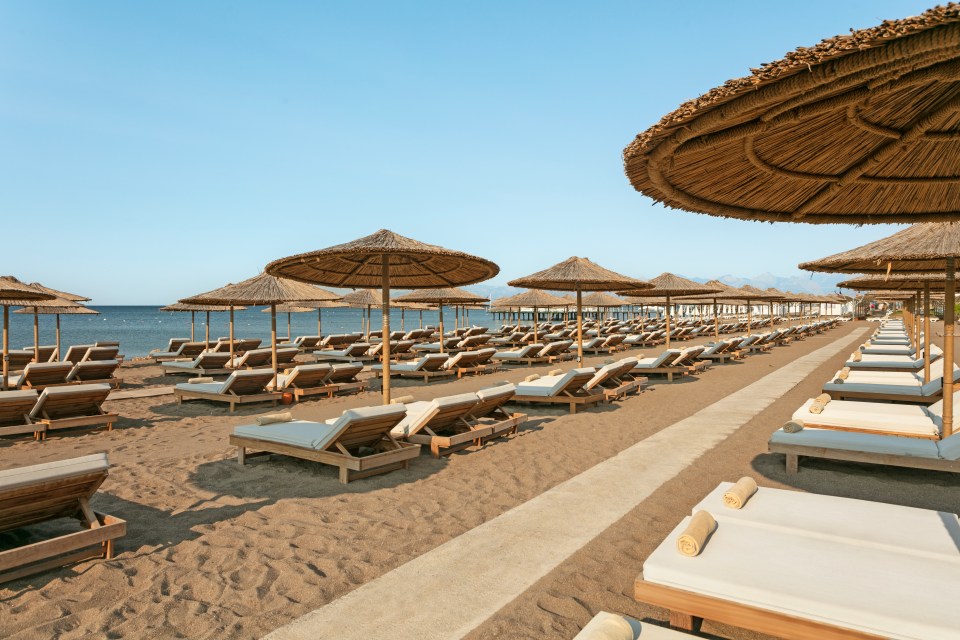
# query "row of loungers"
(442, 365)
(48, 374)
(21, 358)
(855, 421)
(66, 407)
(216, 363)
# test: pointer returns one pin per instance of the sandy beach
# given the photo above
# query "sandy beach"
(219, 550)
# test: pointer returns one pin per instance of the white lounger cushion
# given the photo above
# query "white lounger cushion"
(661, 360)
(894, 418)
(921, 531)
(548, 386)
(828, 579)
(528, 351)
(890, 362)
(865, 442)
(56, 470)
(298, 433)
(416, 365)
(495, 392)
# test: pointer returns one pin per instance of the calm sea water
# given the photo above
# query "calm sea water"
(140, 329)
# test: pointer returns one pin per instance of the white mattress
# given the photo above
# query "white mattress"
(33, 474)
(893, 418)
(865, 442)
(298, 433)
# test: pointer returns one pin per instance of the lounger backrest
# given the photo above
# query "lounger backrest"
(191, 349)
(16, 405)
(42, 492)
(93, 370)
(70, 401)
(438, 414)
(604, 373)
(550, 349)
(174, 344)
(286, 355)
(573, 380)
(492, 399)
(256, 358)
(366, 426)
(344, 372)
(248, 382)
(76, 352)
(403, 346)
(304, 376)
(308, 342)
(484, 355)
(101, 353)
(37, 374)
(211, 360)
(434, 361)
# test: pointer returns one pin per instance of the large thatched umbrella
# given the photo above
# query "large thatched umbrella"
(363, 299)
(601, 300)
(14, 293)
(64, 307)
(534, 298)
(263, 289)
(921, 248)
(194, 309)
(384, 260)
(579, 275)
(63, 295)
(440, 297)
(668, 285)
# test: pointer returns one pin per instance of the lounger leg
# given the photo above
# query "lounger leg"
(242, 455)
(669, 376)
(684, 621)
(233, 407)
(573, 407)
(108, 549)
(435, 449)
(793, 463)
(344, 475)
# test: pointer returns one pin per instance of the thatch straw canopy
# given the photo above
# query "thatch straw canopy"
(262, 289)
(919, 248)
(412, 264)
(449, 295)
(362, 298)
(290, 308)
(602, 299)
(902, 281)
(57, 307)
(63, 295)
(410, 306)
(669, 284)
(860, 128)
(578, 273)
(212, 308)
(753, 293)
(15, 293)
(531, 298)
(720, 291)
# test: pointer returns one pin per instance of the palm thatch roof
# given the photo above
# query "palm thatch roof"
(363, 298)
(897, 282)
(669, 284)
(412, 264)
(721, 291)
(578, 273)
(442, 296)
(290, 308)
(753, 293)
(919, 248)
(530, 298)
(15, 293)
(72, 297)
(860, 128)
(602, 299)
(212, 308)
(410, 306)
(57, 307)
(262, 289)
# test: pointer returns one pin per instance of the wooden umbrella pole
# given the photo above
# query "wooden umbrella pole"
(273, 341)
(58, 337)
(926, 332)
(385, 306)
(916, 318)
(319, 322)
(421, 319)
(402, 321)
(230, 335)
(716, 321)
(6, 346)
(36, 335)
(289, 331)
(368, 323)
(441, 327)
(193, 327)
(579, 325)
(749, 317)
(948, 320)
(667, 318)
(535, 332)
(771, 314)
(207, 331)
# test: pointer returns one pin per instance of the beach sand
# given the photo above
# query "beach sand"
(216, 550)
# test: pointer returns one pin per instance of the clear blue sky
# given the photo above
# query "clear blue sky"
(155, 150)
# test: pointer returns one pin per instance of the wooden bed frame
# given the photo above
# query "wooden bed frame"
(884, 397)
(574, 401)
(688, 609)
(794, 452)
(232, 399)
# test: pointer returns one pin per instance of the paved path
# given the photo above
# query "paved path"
(450, 590)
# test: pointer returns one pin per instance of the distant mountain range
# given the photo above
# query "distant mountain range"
(817, 283)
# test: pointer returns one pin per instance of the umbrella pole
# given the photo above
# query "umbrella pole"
(926, 332)
(385, 306)
(273, 341)
(948, 320)
(58, 337)
(421, 319)
(402, 328)
(36, 336)
(368, 324)
(319, 322)
(535, 332)
(231, 335)
(6, 345)
(771, 314)
(207, 333)
(749, 317)
(716, 321)
(289, 332)
(193, 327)
(916, 317)
(579, 325)
(441, 327)
(666, 315)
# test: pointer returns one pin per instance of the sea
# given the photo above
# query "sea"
(143, 328)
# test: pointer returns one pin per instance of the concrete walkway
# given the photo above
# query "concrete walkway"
(450, 590)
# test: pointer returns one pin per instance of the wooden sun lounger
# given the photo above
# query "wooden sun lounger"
(794, 452)
(209, 363)
(97, 371)
(71, 406)
(15, 409)
(489, 412)
(367, 428)
(242, 387)
(306, 380)
(442, 424)
(343, 379)
(42, 375)
(49, 491)
(572, 393)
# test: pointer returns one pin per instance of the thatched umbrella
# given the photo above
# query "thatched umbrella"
(384, 260)
(14, 293)
(263, 289)
(534, 298)
(579, 275)
(602, 300)
(363, 299)
(920, 248)
(65, 307)
(668, 285)
(290, 309)
(440, 297)
(63, 295)
(194, 309)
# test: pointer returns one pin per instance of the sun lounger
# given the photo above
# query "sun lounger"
(253, 359)
(427, 367)
(50, 491)
(39, 375)
(100, 353)
(242, 387)
(666, 364)
(350, 353)
(15, 409)
(208, 363)
(306, 379)
(900, 350)
(871, 417)
(98, 371)
(340, 442)
(441, 424)
(489, 411)
(890, 386)
(335, 340)
(868, 362)
(565, 388)
(66, 407)
(344, 378)
(19, 358)
(305, 343)
(796, 566)
(615, 381)
(172, 346)
(76, 352)
(464, 362)
(186, 350)
(47, 352)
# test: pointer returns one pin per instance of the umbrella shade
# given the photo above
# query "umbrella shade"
(179, 306)
(362, 298)
(386, 259)
(602, 299)
(860, 128)
(63, 295)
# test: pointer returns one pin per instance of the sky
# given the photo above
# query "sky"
(152, 151)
